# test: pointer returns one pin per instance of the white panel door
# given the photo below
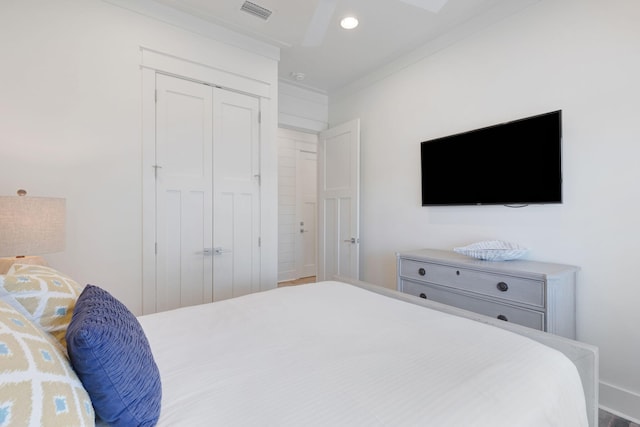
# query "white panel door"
(306, 213)
(236, 195)
(207, 193)
(338, 200)
(183, 193)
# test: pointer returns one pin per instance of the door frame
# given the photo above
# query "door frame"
(154, 62)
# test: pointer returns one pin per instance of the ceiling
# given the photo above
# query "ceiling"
(313, 45)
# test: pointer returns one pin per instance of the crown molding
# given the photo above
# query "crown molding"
(191, 23)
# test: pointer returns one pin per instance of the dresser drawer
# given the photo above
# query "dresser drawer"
(507, 288)
(521, 316)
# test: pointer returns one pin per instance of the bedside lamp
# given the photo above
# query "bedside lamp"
(30, 226)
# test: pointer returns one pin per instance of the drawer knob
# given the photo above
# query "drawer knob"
(422, 271)
(503, 317)
(423, 295)
(503, 287)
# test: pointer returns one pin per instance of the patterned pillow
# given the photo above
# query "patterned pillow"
(45, 296)
(38, 387)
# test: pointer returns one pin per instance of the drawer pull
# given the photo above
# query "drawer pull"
(503, 287)
(423, 295)
(503, 317)
(422, 271)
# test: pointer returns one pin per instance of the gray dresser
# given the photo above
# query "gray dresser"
(539, 295)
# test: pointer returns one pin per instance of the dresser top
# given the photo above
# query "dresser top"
(513, 267)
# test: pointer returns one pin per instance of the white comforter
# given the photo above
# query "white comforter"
(331, 354)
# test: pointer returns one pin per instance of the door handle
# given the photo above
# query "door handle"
(220, 251)
(303, 230)
(351, 240)
(214, 251)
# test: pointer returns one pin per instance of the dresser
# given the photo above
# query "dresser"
(539, 295)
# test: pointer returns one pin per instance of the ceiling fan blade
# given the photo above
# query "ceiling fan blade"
(319, 23)
(430, 5)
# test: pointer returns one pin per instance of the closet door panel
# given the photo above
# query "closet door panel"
(236, 204)
(184, 146)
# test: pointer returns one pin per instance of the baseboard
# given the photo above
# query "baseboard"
(620, 402)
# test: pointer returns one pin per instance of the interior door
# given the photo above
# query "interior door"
(339, 201)
(184, 143)
(236, 199)
(306, 212)
(207, 193)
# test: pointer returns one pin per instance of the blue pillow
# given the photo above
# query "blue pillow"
(111, 355)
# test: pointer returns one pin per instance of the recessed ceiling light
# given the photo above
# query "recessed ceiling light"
(297, 76)
(349, 22)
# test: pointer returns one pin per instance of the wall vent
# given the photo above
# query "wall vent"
(256, 10)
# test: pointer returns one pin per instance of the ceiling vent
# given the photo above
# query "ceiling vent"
(256, 10)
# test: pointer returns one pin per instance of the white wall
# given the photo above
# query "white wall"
(581, 56)
(70, 125)
(302, 109)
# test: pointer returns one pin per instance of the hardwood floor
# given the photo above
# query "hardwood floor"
(301, 281)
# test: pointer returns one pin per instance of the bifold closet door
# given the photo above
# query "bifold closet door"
(184, 193)
(207, 193)
(236, 194)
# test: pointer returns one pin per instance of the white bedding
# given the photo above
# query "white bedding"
(331, 354)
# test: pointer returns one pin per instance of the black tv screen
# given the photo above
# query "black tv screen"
(513, 163)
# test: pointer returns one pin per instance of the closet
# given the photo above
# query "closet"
(203, 205)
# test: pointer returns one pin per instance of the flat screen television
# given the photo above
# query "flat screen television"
(513, 163)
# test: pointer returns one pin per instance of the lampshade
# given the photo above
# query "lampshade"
(31, 225)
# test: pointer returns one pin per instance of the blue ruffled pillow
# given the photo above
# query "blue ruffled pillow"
(111, 355)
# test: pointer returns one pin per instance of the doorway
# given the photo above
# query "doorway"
(319, 198)
(297, 205)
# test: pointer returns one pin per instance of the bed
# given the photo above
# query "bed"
(347, 353)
